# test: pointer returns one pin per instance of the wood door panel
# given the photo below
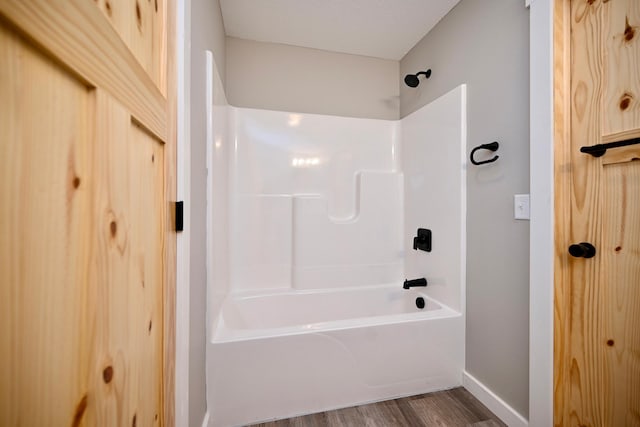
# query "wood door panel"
(147, 231)
(45, 301)
(128, 259)
(586, 112)
(87, 253)
(142, 26)
(575, 379)
(77, 35)
(619, 327)
(622, 65)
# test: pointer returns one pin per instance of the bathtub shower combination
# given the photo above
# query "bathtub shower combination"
(312, 222)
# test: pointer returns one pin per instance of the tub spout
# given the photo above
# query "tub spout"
(415, 282)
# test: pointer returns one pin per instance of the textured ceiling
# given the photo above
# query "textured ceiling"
(379, 28)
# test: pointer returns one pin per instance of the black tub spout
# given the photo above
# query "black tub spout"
(415, 282)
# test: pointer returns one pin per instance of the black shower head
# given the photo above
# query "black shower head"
(411, 80)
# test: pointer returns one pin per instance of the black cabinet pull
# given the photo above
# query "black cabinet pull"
(582, 250)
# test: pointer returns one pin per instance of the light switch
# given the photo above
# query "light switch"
(521, 206)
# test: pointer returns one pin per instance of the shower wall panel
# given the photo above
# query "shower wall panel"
(364, 250)
(218, 146)
(262, 241)
(434, 164)
(316, 201)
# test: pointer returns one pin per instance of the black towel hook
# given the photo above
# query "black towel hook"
(491, 146)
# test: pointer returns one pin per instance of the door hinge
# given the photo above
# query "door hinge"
(179, 216)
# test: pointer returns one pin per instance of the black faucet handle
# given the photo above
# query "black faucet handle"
(423, 240)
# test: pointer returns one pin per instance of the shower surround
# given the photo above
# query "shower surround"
(311, 226)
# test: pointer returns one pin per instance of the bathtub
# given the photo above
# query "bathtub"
(284, 353)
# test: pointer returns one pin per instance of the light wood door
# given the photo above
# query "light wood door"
(597, 300)
(87, 184)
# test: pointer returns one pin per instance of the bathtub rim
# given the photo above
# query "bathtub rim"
(221, 334)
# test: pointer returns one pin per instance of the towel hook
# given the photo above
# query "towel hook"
(491, 146)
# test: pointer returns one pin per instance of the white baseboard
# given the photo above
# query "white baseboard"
(205, 420)
(506, 413)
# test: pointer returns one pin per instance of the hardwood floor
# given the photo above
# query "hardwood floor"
(449, 408)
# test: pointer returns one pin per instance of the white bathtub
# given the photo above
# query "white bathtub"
(281, 354)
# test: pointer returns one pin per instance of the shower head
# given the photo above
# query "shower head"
(411, 80)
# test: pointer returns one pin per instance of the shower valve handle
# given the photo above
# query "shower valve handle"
(423, 240)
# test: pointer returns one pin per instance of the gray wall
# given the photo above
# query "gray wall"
(288, 78)
(486, 45)
(207, 33)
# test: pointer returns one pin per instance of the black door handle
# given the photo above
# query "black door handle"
(582, 250)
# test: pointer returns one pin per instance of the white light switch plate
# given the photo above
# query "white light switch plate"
(521, 206)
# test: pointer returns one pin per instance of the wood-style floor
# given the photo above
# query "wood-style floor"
(449, 408)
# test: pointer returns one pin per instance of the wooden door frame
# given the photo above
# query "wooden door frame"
(542, 238)
(170, 282)
(562, 184)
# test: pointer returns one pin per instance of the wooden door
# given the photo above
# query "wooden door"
(87, 180)
(597, 299)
